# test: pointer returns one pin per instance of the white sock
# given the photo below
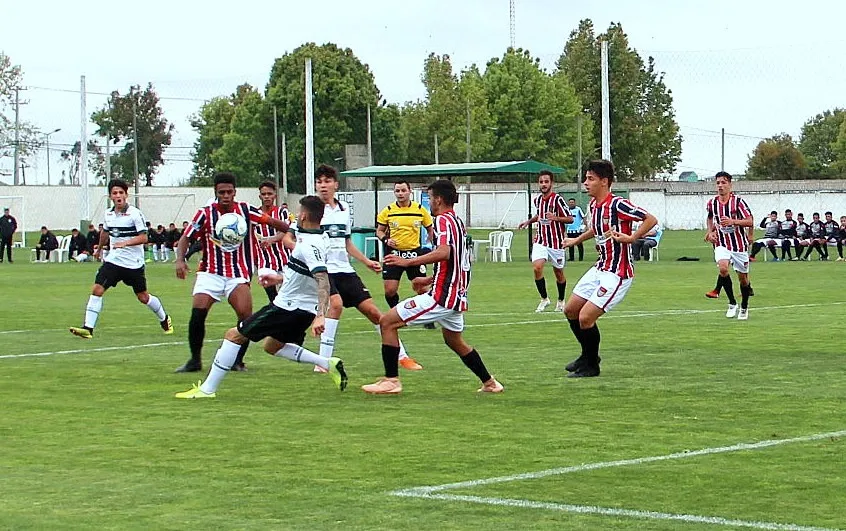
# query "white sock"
(92, 311)
(300, 355)
(327, 338)
(223, 361)
(156, 306)
(403, 354)
(166, 252)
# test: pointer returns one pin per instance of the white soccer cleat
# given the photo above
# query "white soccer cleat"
(559, 306)
(731, 313)
(743, 315)
(542, 305)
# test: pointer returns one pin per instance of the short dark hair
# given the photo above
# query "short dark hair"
(774, 212)
(725, 174)
(444, 189)
(788, 211)
(172, 224)
(401, 181)
(801, 214)
(548, 173)
(571, 199)
(160, 227)
(829, 213)
(74, 230)
(324, 170)
(43, 227)
(603, 168)
(815, 214)
(120, 183)
(224, 177)
(268, 184)
(313, 207)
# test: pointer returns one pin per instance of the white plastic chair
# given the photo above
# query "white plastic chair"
(493, 239)
(61, 254)
(653, 252)
(502, 247)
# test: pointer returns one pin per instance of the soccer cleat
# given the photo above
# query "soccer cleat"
(713, 294)
(320, 370)
(190, 366)
(167, 325)
(337, 372)
(195, 392)
(839, 259)
(83, 332)
(574, 365)
(409, 364)
(384, 386)
(732, 311)
(239, 367)
(585, 372)
(743, 314)
(491, 386)
(542, 305)
(559, 306)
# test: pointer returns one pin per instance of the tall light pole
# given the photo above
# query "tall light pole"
(47, 142)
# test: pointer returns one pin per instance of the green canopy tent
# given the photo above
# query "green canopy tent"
(526, 169)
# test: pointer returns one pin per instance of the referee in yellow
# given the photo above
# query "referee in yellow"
(398, 228)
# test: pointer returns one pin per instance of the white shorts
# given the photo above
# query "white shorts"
(739, 261)
(553, 256)
(216, 286)
(604, 289)
(423, 309)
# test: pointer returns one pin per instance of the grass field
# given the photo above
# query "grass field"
(92, 437)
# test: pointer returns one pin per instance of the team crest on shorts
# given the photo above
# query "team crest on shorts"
(410, 305)
(600, 291)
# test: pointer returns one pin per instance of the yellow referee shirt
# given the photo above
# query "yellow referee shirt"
(404, 223)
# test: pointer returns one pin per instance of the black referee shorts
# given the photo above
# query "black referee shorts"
(285, 326)
(109, 275)
(395, 273)
(350, 287)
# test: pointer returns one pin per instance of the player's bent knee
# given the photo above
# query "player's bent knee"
(234, 336)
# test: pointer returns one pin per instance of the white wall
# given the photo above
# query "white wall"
(59, 207)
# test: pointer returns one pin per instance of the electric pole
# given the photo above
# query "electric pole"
(17, 171)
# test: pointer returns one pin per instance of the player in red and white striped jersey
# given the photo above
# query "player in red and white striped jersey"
(607, 282)
(444, 303)
(552, 218)
(221, 274)
(729, 218)
(269, 255)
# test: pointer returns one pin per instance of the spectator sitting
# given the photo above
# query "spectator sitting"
(159, 242)
(46, 244)
(641, 247)
(78, 245)
(173, 235)
(92, 239)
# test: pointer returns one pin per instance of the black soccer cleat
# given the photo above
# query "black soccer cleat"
(585, 372)
(190, 366)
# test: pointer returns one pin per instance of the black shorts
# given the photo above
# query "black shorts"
(285, 326)
(110, 274)
(350, 287)
(395, 273)
(573, 234)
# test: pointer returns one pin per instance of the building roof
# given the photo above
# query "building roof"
(448, 170)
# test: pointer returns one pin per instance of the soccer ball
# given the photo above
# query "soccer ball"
(230, 229)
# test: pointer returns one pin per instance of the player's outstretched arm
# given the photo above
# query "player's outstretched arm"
(181, 249)
(524, 224)
(353, 251)
(572, 242)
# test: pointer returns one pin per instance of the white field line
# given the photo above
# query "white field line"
(412, 328)
(610, 511)
(431, 492)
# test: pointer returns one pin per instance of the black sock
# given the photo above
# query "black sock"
(798, 249)
(197, 333)
(577, 331)
(271, 292)
(390, 358)
(825, 249)
(729, 290)
(541, 285)
(840, 249)
(392, 300)
(581, 251)
(562, 287)
(809, 251)
(571, 252)
(755, 248)
(771, 248)
(239, 360)
(591, 344)
(474, 362)
(744, 295)
(719, 285)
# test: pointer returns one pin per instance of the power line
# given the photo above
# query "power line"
(76, 91)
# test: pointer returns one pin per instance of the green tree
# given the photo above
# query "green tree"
(839, 150)
(386, 133)
(534, 115)
(776, 158)
(645, 137)
(96, 162)
(154, 132)
(343, 87)
(418, 144)
(30, 140)
(471, 90)
(247, 148)
(817, 143)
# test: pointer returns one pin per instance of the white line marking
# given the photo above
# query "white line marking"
(608, 511)
(416, 328)
(65, 328)
(430, 491)
(623, 462)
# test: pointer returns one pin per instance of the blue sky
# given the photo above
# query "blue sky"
(755, 68)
